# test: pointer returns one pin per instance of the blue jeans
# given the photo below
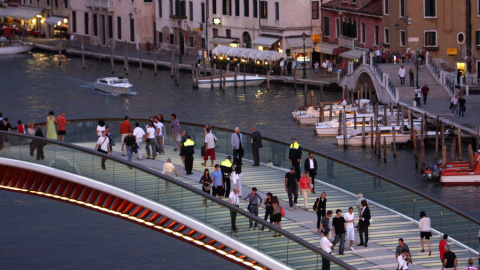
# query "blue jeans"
(129, 153)
(340, 237)
(253, 209)
(455, 109)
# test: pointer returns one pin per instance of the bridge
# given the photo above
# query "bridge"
(72, 174)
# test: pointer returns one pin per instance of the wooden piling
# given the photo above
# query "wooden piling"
(268, 85)
(354, 119)
(444, 155)
(172, 64)
(470, 156)
(459, 144)
(422, 156)
(330, 117)
(363, 132)
(442, 134)
(244, 75)
(193, 78)
(385, 115)
(155, 63)
(402, 118)
(295, 80)
(213, 73)
(454, 149)
(371, 132)
(394, 143)
(220, 77)
(340, 124)
(343, 92)
(322, 112)
(345, 142)
(313, 98)
(112, 61)
(305, 98)
(358, 99)
(379, 139)
(60, 53)
(225, 78)
(140, 64)
(415, 148)
(476, 139)
(99, 54)
(410, 122)
(235, 71)
(384, 150)
(83, 53)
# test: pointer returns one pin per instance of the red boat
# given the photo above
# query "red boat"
(460, 172)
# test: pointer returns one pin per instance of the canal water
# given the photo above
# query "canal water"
(33, 84)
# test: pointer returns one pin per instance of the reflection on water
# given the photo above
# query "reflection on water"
(33, 84)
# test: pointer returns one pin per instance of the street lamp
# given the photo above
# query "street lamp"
(180, 41)
(304, 71)
(417, 65)
(344, 123)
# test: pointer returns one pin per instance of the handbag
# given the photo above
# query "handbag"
(282, 211)
(207, 186)
(315, 207)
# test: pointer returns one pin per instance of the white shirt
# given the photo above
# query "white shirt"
(349, 217)
(424, 224)
(234, 198)
(401, 72)
(150, 132)
(138, 133)
(159, 128)
(99, 130)
(325, 244)
(103, 143)
(311, 163)
(210, 140)
(402, 264)
(282, 63)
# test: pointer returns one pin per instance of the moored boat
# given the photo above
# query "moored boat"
(355, 138)
(459, 172)
(113, 85)
(14, 47)
(230, 81)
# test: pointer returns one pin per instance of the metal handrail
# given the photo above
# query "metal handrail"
(426, 196)
(185, 186)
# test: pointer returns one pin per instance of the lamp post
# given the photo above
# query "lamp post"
(344, 123)
(304, 71)
(180, 42)
(417, 65)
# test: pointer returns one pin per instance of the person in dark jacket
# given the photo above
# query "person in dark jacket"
(256, 139)
(226, 168)
(294, 155)
(39, 144)
(320, 206)
(364, 223)
(310, 166)
(188, 151)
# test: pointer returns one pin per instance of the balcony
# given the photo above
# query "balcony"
(100, 4)
(347, 42)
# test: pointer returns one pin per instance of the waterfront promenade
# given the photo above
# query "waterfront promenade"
(386, 228)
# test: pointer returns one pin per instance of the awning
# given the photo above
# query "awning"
(353, 54)
(219, 40)
(339, 50)
(23, 13)
(326, 47)
(54, 20)
(6, 11)
(265, 41)
(249, 53)
(297, 42)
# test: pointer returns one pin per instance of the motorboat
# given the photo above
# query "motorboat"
(230, 81)
(459, 172)
(331, 128)
(14, 47)
(114, 85)
(337, 108)
(355, 138)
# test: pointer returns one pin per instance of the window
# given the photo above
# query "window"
(337, 27)
(255, 8)
(386, 35)
(364, 32)
(192, 44)
(215, 32)
(132, 30)
(376, 35)
(460, 38)
(190, 7)
(326, 26)
(119, 28)
(74, 21)
(237, 7)
(402, 8)
(65, 3)
(263, 9)
(403, 38)
(477, 37)
(227, 7)
(160, 8)
(315, 10)
(430, 8)
(203, 43)
(246, 10)
(214, 6)
(110, 27)
(349, 29)
(228, 33)
(385, 7)
(147, 1)
(56, 3)
(277, 11)
(86, 23)
(430, 38)
(203, 12)
(160, 37)
(171, 7)
(48, 3)
(172, 39)
(95, 25)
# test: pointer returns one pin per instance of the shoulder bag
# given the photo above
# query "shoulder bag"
(282, 211)
(99, 149)
(315, 207)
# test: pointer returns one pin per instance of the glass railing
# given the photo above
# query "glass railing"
(151, 184)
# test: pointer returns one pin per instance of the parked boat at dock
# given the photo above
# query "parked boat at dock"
(14, 47)
(355, 138)
(459, 172)
(230, 81)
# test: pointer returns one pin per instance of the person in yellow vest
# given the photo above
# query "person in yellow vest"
(189, 151)
(294, 155)
(226, 168)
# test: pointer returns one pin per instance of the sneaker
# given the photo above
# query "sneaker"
(351, 248)
(291, 208)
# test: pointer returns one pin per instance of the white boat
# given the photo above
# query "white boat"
(355, 138)
(113, 85)
(330, 128)
(230, 81)
(15, 48)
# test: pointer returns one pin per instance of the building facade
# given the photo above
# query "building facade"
(394, 23)
(53, 20)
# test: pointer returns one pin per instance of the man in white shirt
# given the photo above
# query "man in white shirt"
(150, 140)
(159, 135)
(209, 147)
(326, 246)
(234, 199)
(349, 224)
(138, 133)
(401, 74)
(282, 66)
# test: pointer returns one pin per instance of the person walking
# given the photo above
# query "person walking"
(320, 207)
(182, 148)
(226, 168)
(237, 145)
(325, 224)
(412, 78)
(217, 182)
(401, 74)
(188, 146)
(359, 202)
(441, 246)
(209, 147)
(289, 68)
(159, 129)
(62, 126)
(470, 265)
(255, 200)
(418, 97)
(454, 105)
(111, 142)
(206, 182)
(268, 202)
(168, 170)
(128, 143)
(305, 183)
(339, 229)
(282, 66)
(449, 259)
(31, 132)
(174, 130)
(462, 104)
(425, 92)
(237, 177)
(425, 231)
(38, 143)
(256, 140)
(125, 126)
(100, 128)
(51, 121)
(291, 186)
(294, 155)
(310, 166)
(234, 200)
(138, 133)
(316, 66)
(326, 246)
(150, 141)
(349, 226)
(102, 146)
(277, 216)
(364, 223)
(399, 250)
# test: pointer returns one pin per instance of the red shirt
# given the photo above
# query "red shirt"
(125, 126)
(61, 122)
(305, 183)
(441, 247)
(20, 129)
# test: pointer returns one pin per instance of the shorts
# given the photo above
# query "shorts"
(351, 233)
(217, 191)
(209, 152)
(62, 132)
(426, 235)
